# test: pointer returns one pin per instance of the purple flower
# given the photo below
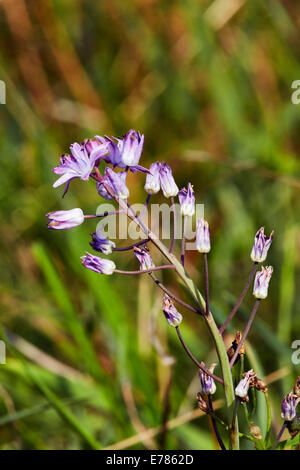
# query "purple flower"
(173, 317)
(202, 236)
(261, 282)
(101, 243)
(261, 246)
(242, 388)
(288, 407)
(207, 383)
(99, 265)
(187, 201)
(126, 152)
(77, 165)
(144, 257)
(65, 219)
(167, 182)
(97, 148)
(116, 182)
(152, 184)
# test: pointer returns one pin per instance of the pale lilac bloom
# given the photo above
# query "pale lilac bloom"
(152, 184)
(126, 152)
(144, 257)
(207, 383)
(97, 148)
(261, 246)
(115, 181)
(172, 315)
(187, 201)
(77, 165)
(101, 243)
(261, 282)
(242, 388)
(202, 236)
(99, 265)
(288, 407)
(60, 220)
(167, 182)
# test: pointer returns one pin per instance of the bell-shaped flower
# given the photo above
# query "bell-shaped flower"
(261, 282)
(172, 315)
(152, 184)
(101, 243)
(207, 383)
(144, 257)
(202, 236)
(187, 201)
(261, 246)
(242, 388)
(61, 220)
(99, 265)
(288, 406)
(116, 182)
(167, 182)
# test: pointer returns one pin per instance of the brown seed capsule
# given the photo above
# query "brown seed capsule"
(235, 343)
(203, 405)
(255, 431)
(259, 385)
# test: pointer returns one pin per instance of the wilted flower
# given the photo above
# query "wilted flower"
(99, 265)
(261, 282)
(261, 246)
(144, 258)
(167, 182)
(77, 165)
(207, 383)
(173, 317)
(187, 200)
(242, 388)
(288, 406)
(115, 181)
(152, 184)
(203, 405)
(101, 243)
(202, 236)
(65, 219)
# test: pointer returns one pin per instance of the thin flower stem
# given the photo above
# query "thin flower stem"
(173, 296)
(130, 247)
(248, 326)
(105, 214)
(221, 443)
(174, 225)
(235, 410)
(241, 298)
(204, 369)
(207, 309)
(166, 410)
(145, 206)
(145, 271)
(183, 240)
(278, 437)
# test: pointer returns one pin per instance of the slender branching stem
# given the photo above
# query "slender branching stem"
(183, 240)
(240, 299)
(174, 225)
(173, 296)
(145, 206)
(246, 331)
(105, 214)
(130, 247)
(145, 271)
(204, 369)
(221, 443)
(278, 437)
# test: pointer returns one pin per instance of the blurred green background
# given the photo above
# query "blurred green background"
(89, 357)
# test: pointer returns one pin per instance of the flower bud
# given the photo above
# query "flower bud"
(99, 265)
(65, 219)
(187, 201)
(131, 147)
(207, 383)
(152, 184)
(167, 182)
(173, 317)
(242, 388)
(261, 282)
(101, 243)
(288, 407)
(202, 236)
(115, 181)
(144, 257)
(261, 246)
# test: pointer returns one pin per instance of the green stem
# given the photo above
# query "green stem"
(214, 331)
